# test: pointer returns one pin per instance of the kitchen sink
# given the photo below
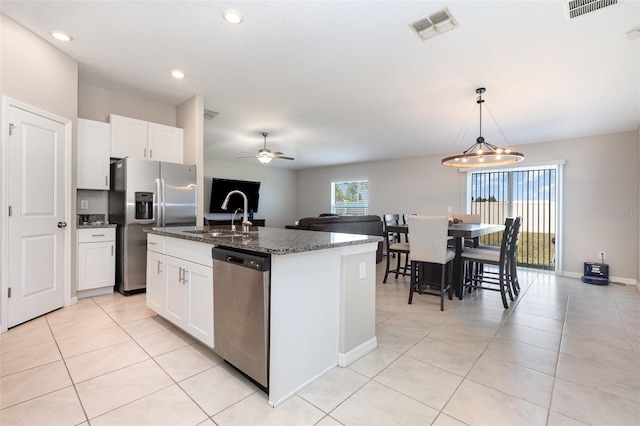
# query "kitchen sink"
(220, 233)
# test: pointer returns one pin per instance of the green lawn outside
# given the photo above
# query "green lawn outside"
(534, 249)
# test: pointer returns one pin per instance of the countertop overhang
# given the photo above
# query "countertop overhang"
(276, 241)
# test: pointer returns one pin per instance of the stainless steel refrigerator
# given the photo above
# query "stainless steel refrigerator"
(146, 194)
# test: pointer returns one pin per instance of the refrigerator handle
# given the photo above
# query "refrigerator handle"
(158, 203)
(162, 205)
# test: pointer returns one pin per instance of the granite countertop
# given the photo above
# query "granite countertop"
(277, 241)
(95, 225)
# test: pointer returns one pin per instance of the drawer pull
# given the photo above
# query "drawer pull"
(97, 235)
(151, 243)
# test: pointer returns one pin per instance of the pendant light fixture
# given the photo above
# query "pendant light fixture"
(482, 153)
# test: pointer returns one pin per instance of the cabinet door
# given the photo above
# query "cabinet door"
(96, 265)
(94, 140)
(175, 307)
(200, 303)
(155, 281)
(128, 137)
(164, 143)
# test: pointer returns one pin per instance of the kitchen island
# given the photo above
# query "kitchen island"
(322, 295)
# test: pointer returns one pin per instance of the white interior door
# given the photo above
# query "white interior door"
(36, 228)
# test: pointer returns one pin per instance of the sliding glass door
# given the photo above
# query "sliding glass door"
(530, 193)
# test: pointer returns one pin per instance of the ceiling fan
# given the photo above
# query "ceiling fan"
(265, 155)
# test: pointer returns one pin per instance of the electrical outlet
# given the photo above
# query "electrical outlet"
(450, 209)
(362, 270)
(602, 255)
(84, 204)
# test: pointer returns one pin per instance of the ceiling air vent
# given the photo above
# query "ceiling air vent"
(434, 24)
(577, 8)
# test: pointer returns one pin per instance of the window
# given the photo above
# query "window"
(530, 193)
(350, 197)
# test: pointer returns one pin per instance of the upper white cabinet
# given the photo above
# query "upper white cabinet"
(164, 143)
(135, 138)
(93, 154)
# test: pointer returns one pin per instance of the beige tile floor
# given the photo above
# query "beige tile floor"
(566, 353)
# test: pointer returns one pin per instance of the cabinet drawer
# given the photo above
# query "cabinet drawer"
(190, 250)
(155, 243)
(95, 235)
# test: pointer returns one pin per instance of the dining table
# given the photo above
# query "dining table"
(459, 231)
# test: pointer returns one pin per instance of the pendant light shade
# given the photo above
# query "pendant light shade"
(482, 153)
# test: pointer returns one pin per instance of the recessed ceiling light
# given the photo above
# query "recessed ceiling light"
(177, 74)
(232, 16)
(59, 35)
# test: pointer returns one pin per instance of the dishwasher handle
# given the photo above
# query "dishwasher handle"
(236, 260)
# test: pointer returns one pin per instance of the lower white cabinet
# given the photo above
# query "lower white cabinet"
(155, 281)
(96, 258)
(181, 290)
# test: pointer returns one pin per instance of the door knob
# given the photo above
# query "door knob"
(62, 224)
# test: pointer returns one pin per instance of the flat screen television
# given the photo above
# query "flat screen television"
(221, 187)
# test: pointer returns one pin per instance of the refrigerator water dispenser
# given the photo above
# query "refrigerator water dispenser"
(144, 205)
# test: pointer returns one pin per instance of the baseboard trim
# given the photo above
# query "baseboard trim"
(622, 280)
(346, 359)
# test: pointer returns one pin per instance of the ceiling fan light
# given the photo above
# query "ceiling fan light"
(264, 159)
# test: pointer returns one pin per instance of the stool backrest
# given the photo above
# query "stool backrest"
(429, 238)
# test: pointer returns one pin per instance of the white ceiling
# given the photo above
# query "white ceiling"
(337, 82)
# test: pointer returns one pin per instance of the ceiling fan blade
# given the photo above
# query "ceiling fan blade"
(246, 156)
(283, 157)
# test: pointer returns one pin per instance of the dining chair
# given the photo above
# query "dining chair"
(429, 235)
(476, 276)
(512, 256)
(395, 248)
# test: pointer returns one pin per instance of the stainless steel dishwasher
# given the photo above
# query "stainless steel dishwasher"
(241, 311)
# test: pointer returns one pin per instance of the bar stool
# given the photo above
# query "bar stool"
(429, 235)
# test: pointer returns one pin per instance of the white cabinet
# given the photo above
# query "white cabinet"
(164, 143)
(141, 139)
(96, 258)
(155, 273)
(128, 137)
(185, 274)
(94, 139)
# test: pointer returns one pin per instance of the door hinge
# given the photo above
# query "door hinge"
(11, 126)
(9, 292)
(10, 211)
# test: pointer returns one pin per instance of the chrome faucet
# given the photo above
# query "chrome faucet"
(245, 221)
(233, 218)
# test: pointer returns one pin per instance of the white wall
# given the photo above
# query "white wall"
(190, 118)
(95, 103)
(412, 185)
(278, 189)
(596, 184)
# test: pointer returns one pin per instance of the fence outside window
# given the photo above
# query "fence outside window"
(530, 194)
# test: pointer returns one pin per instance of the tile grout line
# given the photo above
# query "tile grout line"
(152, 358)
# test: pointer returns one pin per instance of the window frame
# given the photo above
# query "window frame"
(347, 209)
